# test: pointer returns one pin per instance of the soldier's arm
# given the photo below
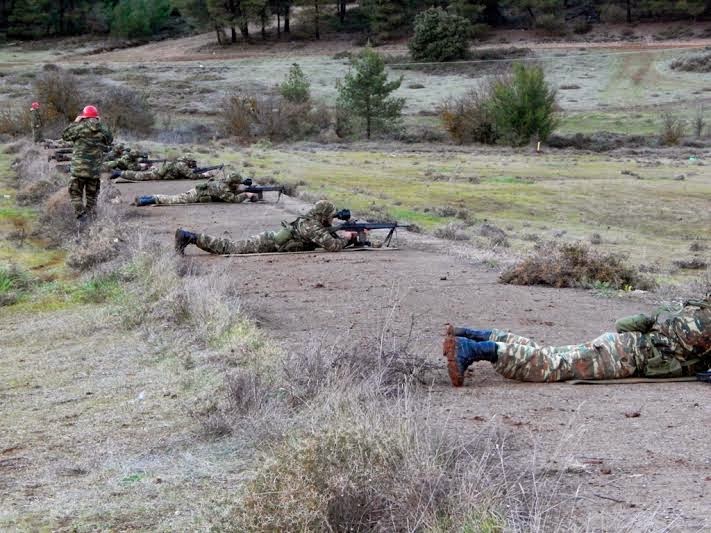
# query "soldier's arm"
(322, 237)
(70, 133)
(108, 136)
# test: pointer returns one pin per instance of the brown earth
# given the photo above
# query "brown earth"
(614, 471)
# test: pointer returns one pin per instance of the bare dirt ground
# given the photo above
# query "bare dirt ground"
(617, 470)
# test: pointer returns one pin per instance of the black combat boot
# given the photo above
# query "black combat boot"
(183, 238)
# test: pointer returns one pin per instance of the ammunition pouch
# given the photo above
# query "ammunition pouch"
(283, 236)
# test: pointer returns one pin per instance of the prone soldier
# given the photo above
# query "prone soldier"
(182, 168)
(215, 189)
(642, 346)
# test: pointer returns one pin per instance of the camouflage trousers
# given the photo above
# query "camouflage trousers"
(261, 243)
(37, 135)
(189, 197)
(157, 174)
(80, 186)
(610, 356)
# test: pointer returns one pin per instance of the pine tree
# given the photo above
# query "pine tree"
(29, 19)
(365, 93)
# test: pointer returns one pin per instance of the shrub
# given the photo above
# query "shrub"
(295, 88)
(139, 18)
(523, 106)
(613, 14)
(14, 280)
(469, 118)
(695, 63)
(451, 232)
(15, 121)
(574, 265)
(673, 128)
(439, 36)
(582, 27)
(57, 220)
(699, 121)
(125, 109)
(271, 117)
(551, 24)
(60, 94)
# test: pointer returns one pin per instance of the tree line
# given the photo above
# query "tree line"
(380, 19)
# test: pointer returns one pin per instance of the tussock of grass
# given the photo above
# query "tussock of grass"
(574, 265)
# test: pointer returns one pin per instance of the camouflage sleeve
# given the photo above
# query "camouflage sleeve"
(70, 133)
(108, 136)
(321, 236)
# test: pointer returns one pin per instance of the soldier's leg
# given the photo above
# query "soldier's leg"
(610, 356)
(188, 197)
(262, 243)
(76, 195)
(496, 335)
(145, 175)
(92, 188)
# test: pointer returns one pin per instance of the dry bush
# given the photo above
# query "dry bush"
(37, 192)
(60, 94)
(699, 121)
(57, 221)
(468, 118)
(496, 236)
(14, 280)
(372, 467)
(15, 121)
(451, 232)
(126, 110)
(673, 128)
(695, 63)
(272, 117)
(574, 265)
(99, 244)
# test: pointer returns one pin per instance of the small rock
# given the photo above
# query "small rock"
(680, 177)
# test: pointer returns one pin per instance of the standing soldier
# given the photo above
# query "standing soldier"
(90, 138)
(36, 120)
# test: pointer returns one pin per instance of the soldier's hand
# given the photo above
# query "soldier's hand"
(253, 197)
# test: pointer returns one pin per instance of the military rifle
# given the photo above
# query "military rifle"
(360, 228)
(259, 190)
(60, 157)
(202, 170)
(152, 161)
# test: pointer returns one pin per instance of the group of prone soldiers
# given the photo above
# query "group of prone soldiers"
(642, 346)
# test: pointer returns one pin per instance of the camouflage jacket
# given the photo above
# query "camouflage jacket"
(90, 138)
(689, 331)
(313, 232)
(218, 189)
(36, 119)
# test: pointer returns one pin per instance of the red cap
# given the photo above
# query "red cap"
(35, 105)
(90, 112)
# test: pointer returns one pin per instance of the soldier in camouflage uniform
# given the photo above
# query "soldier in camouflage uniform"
(36, 120)
(216, 189)
(643, 346)
(121, 157)
(180, 169)
(90, 138)
(306, 233)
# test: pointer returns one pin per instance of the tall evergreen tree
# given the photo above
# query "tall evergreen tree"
(365, 93)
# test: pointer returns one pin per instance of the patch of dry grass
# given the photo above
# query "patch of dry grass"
(574, 265)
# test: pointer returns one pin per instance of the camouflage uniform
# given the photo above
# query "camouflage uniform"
(213, 190)
(679, 345)
(179, 169)
(90, 137)
(303, 234)
(122, 157)
(36, 119)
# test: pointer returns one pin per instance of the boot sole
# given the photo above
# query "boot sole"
(449, 350)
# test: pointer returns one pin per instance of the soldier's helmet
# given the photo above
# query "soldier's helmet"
(323, 211)
(234, 178)
(192, 163)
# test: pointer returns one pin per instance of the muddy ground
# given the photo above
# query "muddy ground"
(615, 469)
